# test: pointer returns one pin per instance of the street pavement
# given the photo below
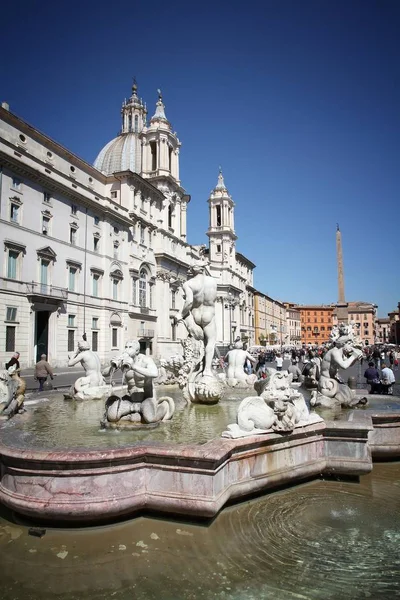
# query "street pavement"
(65, 377)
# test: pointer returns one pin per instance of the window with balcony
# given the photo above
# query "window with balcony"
(115, 283)
(143, 288)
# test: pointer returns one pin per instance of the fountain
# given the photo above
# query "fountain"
(140, 405)
(57, 465)
(92, 386)
(12, 393)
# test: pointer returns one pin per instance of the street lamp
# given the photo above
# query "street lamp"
(230, 303)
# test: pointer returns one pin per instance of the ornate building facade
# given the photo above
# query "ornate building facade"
(102, 250)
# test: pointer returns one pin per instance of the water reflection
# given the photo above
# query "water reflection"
(328, 540)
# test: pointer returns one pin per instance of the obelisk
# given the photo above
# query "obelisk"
(341, 306)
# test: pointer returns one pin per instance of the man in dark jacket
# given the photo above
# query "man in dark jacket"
(373, 378)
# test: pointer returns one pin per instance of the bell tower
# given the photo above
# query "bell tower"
(161, 146)
(221, 229)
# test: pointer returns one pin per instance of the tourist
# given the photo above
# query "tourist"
(295, 371)
(388, 379)
(14, 360)
(42, 370)
(279, 362)
(376, 355)
(373, 378)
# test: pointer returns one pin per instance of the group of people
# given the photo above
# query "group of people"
(42, 369)
(380, 383)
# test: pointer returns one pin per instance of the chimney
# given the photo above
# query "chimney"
(5, 105)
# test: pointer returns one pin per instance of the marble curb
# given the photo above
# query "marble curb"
(197, 480)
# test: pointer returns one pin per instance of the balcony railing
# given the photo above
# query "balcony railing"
(47, 291)
(145, 333)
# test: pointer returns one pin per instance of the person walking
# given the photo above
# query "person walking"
(42, 370)
(279, 362)
(373, 378)
(14, 360)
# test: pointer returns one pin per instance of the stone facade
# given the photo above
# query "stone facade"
(316, 323)
(102, 250)
(271, 320)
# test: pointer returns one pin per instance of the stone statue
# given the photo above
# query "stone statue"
(168, 371)
(198, 315)
(236, 375)
(13, 396)
(92, 386)
(343, 354)
(278, 407)
(139, 406)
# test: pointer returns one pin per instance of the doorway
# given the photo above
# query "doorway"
(42, 333)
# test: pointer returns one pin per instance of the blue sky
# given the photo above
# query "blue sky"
(297, 100)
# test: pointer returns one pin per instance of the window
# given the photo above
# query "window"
(322, 328)
(46, 197)
(315, 313)
(142, 230)
(142, 204)
(95, 323)
(115, 289)
(114, 194)
(173, 331)
(95, 290)
(12, 263)
(114, 341)
(170, 214)
(96, 243)
(72, 236)
(11, 313)
(366, 332)
(45, 225)
(170, 158)
(10, 338)
(136, 124)
(153, 150)
(71, 278)
(74, 209)
(44, 271)
(95, 341)
(14, 212)
(71, 320)
(116, 246)
(16, 183)
(143, 288)
(365, 317)
(173, 298)
(116, 230)
(130, 123)
(71, 340)
(218, 248)
(308, 320)
(96, 220)
(322, 314)
(218, 212)
(308, 328)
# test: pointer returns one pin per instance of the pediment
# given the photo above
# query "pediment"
(47, 252)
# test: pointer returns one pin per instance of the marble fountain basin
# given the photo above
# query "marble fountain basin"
(57, 465)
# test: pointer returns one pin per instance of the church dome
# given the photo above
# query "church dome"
(118, 155)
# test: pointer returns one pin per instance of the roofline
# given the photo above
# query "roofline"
(246, 260)
(13, 119)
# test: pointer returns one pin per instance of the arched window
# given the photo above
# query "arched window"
(136, 124)
(130, 123)
(143, 288)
